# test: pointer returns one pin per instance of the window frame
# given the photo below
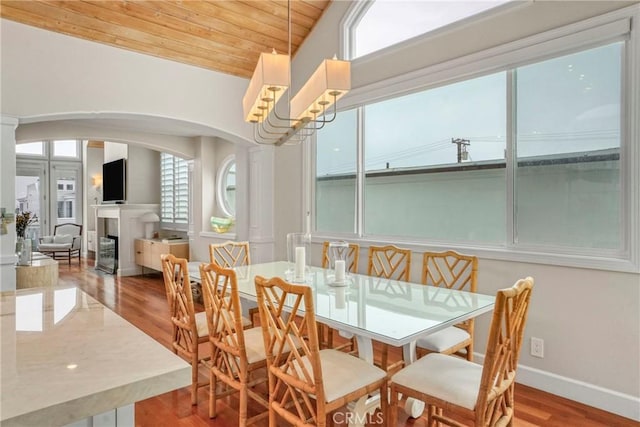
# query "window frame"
(358, 10)
(598, 31)
(51, 149)
(48, 163)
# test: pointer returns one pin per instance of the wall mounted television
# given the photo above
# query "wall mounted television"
(114, 179)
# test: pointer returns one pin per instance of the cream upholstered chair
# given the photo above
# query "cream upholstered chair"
(389, 262)
(233, 254)
(189, 329)
(307, 384)
(238, 359)
(353, 256)
(454, 271)
(482, 392)
(64, 244)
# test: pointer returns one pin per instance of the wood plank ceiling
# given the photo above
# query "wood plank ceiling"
(221, 35)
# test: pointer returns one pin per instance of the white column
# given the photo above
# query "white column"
(8, 200)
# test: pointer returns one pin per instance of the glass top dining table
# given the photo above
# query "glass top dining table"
(372, 308)
(389, 311)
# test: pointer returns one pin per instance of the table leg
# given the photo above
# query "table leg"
(367, 405)
(412, 407)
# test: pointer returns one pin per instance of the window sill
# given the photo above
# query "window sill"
(501, 253)
(221, 236)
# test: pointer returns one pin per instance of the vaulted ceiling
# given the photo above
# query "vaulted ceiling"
(221, 35)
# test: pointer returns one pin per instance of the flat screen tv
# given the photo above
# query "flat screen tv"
(114, 181)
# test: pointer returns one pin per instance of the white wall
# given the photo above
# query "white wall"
(46, 74)
(143, 176)
(589, 319)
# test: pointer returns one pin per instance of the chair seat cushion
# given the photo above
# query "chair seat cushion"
(448, 378)
(444, 339)
(201, 324)
(344, 373)
(203, 328)
(52, 247)
(254, 345)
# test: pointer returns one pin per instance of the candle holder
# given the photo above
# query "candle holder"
(298, 255)
(338, 252)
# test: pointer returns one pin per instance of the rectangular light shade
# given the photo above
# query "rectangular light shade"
(330, 81)
(272, 72)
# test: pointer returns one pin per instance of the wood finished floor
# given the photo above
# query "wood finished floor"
(141, 301)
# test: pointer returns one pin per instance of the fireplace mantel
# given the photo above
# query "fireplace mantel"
(129, 227)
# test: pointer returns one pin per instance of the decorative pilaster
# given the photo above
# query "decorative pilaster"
(8, 127)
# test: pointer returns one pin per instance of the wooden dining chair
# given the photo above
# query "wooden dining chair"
(454, 271)
(233, 254)
(307, 384)
(389, 262)
(484, 393)
(189, 329)
(238, 360)
(230, 254)
(353, 257)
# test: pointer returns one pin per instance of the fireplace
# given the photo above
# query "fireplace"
(123, 222)
(108, 254)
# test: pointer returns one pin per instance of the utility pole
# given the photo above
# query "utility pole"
(462, 148)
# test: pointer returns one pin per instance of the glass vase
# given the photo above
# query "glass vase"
(23, 251)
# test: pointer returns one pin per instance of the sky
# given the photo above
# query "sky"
(417, 17)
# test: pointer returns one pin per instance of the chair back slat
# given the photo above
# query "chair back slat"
(291, 344)
(450, 269)
(224, 319)
(230, 254)
(178, 289)
(353, 257)
(389, 262)
(495, 399)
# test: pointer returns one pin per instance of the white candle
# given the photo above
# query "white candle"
(341, 301)
(300, 263)
(340, 269)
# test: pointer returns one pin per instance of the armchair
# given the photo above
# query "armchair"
(65, 242)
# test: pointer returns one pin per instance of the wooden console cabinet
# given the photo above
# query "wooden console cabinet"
(148, 251)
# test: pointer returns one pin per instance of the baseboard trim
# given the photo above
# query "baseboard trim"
(608, 400)
(131, 271)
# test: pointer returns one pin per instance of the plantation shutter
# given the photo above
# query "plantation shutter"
(174, 192)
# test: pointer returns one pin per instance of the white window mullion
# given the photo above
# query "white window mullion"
(360, 175)
(510, 158)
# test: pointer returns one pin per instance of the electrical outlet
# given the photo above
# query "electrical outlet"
(537, 347)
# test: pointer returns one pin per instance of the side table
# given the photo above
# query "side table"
(43, 271)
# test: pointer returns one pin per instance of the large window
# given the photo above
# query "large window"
(528, 157)
(382, 23)
(568, 150)
(336, 171)
(49, 183)
(174, 192)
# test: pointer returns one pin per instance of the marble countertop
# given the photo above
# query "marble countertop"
(65, 357)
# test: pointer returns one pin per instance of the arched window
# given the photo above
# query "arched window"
(376, 24)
